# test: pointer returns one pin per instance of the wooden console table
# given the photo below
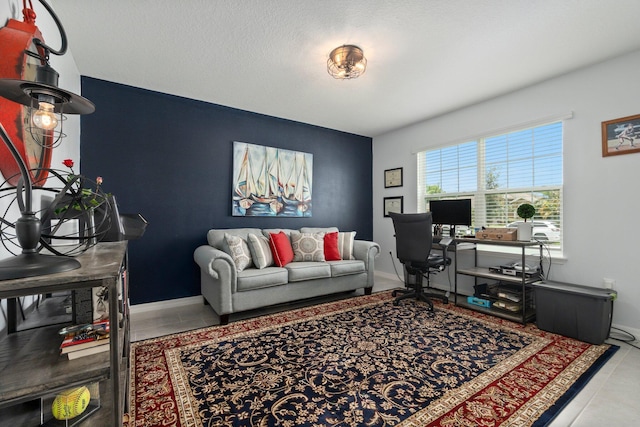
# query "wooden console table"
(30, 363)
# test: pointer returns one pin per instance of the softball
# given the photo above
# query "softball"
(70, 403)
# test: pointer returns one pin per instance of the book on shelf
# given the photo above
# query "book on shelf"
(465, 245)
(88, 351)
(97, 335)
(510, 296)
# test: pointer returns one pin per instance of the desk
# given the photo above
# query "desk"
(454, 245)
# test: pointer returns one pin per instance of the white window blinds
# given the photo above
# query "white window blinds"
(499, 173)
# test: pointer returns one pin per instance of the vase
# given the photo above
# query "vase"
(525, 230)
(90, 228)
(66, 231)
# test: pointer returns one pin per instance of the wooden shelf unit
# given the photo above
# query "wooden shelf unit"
(30, 362)
(527, 314)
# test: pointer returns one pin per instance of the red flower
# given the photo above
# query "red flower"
(68, 163)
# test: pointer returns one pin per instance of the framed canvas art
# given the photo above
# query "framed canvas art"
(270, 181)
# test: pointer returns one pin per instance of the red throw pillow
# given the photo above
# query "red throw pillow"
(281, 249)
(331, 251)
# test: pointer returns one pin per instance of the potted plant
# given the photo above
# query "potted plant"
(525, 229)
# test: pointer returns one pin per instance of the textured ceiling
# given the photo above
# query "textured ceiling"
(425, 57)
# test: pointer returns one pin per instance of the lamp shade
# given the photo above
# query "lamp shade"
(27, 92)
(346, 62)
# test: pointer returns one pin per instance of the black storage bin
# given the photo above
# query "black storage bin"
(574, 311)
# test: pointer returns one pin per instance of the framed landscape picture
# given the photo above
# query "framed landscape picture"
(621, 136)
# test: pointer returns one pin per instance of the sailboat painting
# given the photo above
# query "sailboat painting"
(270, 181)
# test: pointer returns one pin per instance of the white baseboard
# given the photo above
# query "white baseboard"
(620, 334)
(162, 305)
(386, 276)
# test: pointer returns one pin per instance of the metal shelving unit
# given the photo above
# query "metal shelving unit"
(522, 283)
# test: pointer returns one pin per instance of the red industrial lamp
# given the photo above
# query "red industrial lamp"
(26, 78)
(34, 124)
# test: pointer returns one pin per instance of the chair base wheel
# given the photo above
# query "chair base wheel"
(419, 295)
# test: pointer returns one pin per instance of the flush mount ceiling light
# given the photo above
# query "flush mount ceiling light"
(346, 62)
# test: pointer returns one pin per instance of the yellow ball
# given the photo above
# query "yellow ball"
(70, 403)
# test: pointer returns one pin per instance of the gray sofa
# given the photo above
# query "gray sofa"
(228, 290)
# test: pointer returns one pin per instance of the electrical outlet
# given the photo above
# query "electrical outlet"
(608, 283)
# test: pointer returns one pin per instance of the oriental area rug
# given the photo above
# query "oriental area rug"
(360, 362)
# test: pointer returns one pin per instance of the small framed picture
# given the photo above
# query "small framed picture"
(621, 136)
(393, 204)
(393, 178)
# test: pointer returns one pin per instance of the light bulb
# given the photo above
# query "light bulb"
(44, 117)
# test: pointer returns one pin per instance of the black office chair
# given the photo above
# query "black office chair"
(414, 240)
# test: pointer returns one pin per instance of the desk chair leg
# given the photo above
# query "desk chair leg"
(418, 292)
(419, 296)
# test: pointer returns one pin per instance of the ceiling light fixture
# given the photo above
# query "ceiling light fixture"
(346, 62)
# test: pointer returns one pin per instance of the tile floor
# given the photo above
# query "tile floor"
(609, 399)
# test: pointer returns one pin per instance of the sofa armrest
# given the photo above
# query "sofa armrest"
(218, 278)
(217, 264)
(367, 252)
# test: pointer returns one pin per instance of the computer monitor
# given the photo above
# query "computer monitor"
(451, 212)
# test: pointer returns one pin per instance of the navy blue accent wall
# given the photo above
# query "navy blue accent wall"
(170, 159)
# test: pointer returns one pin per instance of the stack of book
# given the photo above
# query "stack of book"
(86, 342)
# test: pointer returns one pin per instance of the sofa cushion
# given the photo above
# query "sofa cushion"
(331, 251)
(299, 271)
(252, 278)
(216, 238)
(308, 246)
(260, 250)
(239, 251)
(319, 230)
(281, 249)
(346, 267)
(345, 244)
(267, 232)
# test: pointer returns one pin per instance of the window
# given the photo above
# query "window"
(499, 173)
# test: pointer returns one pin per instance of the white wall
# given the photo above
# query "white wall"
(69, 80)
(601, 202)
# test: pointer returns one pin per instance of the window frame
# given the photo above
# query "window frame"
(480, 192)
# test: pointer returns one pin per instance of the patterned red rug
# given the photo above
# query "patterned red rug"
(360, 362)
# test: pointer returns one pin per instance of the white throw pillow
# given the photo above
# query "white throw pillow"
(308, 246)
(260, 251)
(239, 251)
(345, 244)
